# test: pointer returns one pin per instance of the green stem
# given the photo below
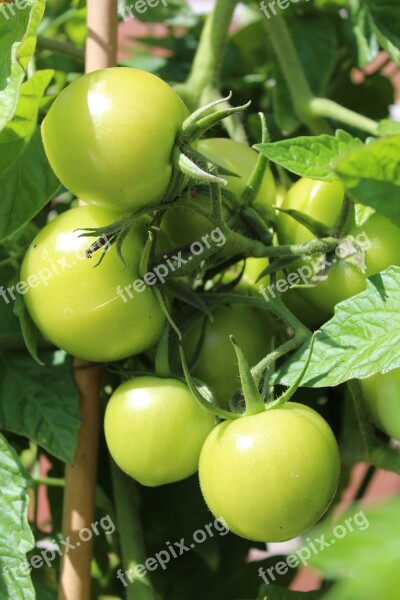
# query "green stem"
(49, 481)
(207, 65)
(344, 219)
(365, 483)
(126, 500)
(44, 43)
(293, 72)
(323, 107)
(268, 361)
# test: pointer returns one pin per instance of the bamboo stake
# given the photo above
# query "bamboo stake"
(80, 488)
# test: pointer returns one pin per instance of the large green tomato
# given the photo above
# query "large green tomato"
(323, 201)
(217, 364)
(183, 225)
(270, 476)
(84, 309)
(109, 137)
(155, 429)
(382, 394)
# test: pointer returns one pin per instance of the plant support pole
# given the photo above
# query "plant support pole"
(80, 485)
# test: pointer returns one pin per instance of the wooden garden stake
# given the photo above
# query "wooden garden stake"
(79, 496)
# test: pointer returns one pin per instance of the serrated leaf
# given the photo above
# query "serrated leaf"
(15, 535)
(372, 175)
(17, 45)
(389, 127)
(40, 403)
(26, 187)
(361, 339)
(359, 559)
(21, 127)
(311, 156)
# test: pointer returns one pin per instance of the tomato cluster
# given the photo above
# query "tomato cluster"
(270, 475)
(379, 237)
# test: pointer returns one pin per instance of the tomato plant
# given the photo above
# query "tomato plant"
(80, 307)
(155, 429)
(157, 158)
(107, 121)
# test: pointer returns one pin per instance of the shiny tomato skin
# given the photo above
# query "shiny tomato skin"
(80, 307)
(155, 429)
(109, 137)
(270, 476)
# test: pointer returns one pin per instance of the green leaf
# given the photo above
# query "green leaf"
(361, 339)
(367, 44)
(40, 402)
(311, 156)
(389, 127)
(26, 187)
(385, 19)
(18, 29)
(21, 127)
(372, 175)
(15, 535)
(29, 330)
(360, 559)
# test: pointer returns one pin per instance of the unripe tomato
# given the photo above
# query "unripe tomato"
(382, 395)
(183, 226)
(323, 201)
(81, 308)
(109, 137)
(217, 364)
(270, 476)
(155, 429)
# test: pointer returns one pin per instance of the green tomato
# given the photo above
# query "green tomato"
(183, 225)
(155, 429)
(382, 395)
(81, 308)
(217, 364)
(247, 285)
(109, 137)
(270, 476)
(323, 201)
